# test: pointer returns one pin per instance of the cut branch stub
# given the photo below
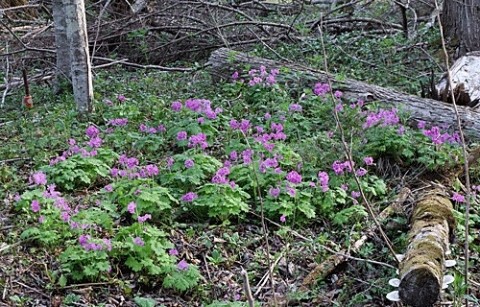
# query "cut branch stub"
(421, 271)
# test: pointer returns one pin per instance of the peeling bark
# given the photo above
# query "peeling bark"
(421, 271)
(223, 62)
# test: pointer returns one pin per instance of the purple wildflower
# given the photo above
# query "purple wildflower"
(355, 194)
(121, 98)
(182, 265)
(294, 177)
(189, 163)
(457, 197)
(360, 172)
(143, 218)
(173, 252)
(176, 106)
(198, 139)
(295, 107)
(170, 162)
(131, 207)
(291, 191)
(38, 178)
(274, 192)
(138, 241)
(189, 197)
(368, 160)
(35, 205)
(181, 135)
(92, 131)
(283, 218)
(321, 89)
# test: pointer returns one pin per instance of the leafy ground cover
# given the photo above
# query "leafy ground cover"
(174, 187)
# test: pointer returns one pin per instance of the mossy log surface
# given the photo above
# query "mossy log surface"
(421, 271)
(223, 62)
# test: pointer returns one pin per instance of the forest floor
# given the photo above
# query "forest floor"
(174, 187)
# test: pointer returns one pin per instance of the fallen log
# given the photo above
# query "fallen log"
(224, 62)
(421, 270)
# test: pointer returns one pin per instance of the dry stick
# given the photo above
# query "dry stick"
(99, 20)
(226, 25)
(464, 150)
(18, 7)
(246, 286)
(7, 71)
(123, 62)
(21, 42)
(264, 226)
(264, 279)
(349, 156)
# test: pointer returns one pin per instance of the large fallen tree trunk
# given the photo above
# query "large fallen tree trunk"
(421, 270)
(223, 62)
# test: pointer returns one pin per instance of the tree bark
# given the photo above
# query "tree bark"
(421, 270)
(461, 22)
(62, 72)
(223, 62)
(81, 72)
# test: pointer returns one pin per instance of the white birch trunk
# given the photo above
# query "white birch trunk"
(81, 72)
(61, 45)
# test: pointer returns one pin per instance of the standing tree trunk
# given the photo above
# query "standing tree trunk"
(461, 22)
(62, 74)
(81, 72)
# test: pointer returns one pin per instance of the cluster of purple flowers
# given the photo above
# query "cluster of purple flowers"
(117, 122)
(60, 203)
(131, 169)
(340, 167)
(94, 142)
(152, 130)
(201, 106)
(38, 178)
(293, 177)
(199, 139)
(260, 76)
(435, 135)
(220, 176)
(323, 180)
(295, 107)
(457, 197)
(89, 244)
(243, 125)
(189, 197)
(383, 117)
(268, 164)
(321, 89)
